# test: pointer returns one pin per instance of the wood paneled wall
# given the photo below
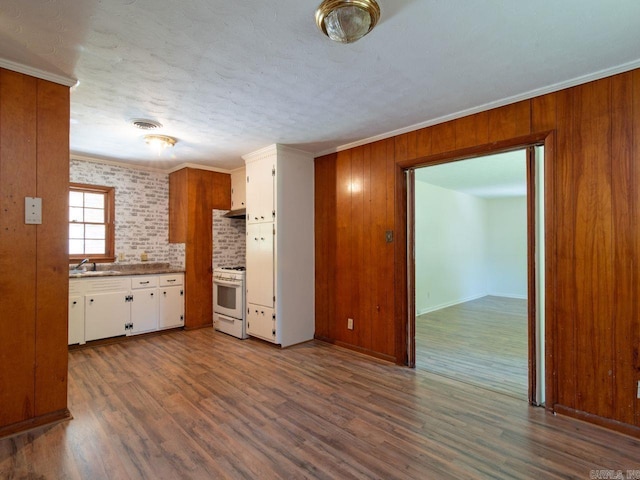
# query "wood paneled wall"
(592, 148)
(596, 181)
(34, 162)
(354, 262)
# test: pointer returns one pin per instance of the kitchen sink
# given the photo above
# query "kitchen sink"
(91, 273)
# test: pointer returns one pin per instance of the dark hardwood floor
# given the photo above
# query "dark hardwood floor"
(482, 342)
(202, 405)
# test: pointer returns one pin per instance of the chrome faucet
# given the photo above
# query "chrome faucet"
(77, 267)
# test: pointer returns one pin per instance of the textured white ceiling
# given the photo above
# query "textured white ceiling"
(492, 176)
(230, 77)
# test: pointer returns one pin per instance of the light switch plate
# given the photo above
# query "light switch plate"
(32, 211)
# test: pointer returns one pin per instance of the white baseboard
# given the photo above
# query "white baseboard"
(449, 304)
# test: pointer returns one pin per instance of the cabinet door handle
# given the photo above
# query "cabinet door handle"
(144, 283)
(91, 301)
(261, 217)
(165, 293)
(171, 280)
(75, 302)
(262, 238)
(152, 294)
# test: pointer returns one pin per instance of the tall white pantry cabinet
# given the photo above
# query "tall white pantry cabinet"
(280, 245)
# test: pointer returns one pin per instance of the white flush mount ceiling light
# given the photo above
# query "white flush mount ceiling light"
(346, 21)
(160, 142)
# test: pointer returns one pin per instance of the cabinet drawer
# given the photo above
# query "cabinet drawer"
(106, 284)
(144, 282)
(76, 287)
(169, 280)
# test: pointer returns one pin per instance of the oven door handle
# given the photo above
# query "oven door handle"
(227, 283)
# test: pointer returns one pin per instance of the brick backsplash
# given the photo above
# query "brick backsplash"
(142, 210)
(142, 216)
(229, 240)
(177, 254)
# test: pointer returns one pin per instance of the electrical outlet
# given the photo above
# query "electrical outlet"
(638, 395)
(350, 323)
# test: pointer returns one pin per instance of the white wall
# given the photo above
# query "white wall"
(506, 258)
(450, 247)
(468, 247)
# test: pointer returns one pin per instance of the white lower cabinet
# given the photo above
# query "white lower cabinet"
(261, 322)
(76, 319)
(171, 298)
(112, 306)
(144, 311)
(144, 305)
(106, 315)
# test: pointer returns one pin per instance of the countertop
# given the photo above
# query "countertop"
(126, 270)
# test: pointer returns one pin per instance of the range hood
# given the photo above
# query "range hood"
(238, 213)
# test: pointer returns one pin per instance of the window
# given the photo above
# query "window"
(91, 223)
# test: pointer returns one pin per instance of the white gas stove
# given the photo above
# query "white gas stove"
(229, 312)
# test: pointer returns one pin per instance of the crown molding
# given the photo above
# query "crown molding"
(272, 151)
(608, 72)
(115, 163)
(266, 152)
(135, 166)
(37, 73)
(198, 167)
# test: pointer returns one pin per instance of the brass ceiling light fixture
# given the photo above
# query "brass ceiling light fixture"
(160, 142)
(346, 21)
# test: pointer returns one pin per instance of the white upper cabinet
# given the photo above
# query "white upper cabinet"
(260, 256)
(238, 188)
(260, 191)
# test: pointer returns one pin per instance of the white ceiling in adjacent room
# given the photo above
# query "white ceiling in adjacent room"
(229, 77)
(493, 176)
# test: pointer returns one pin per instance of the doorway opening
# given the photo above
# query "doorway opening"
(477, 246)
